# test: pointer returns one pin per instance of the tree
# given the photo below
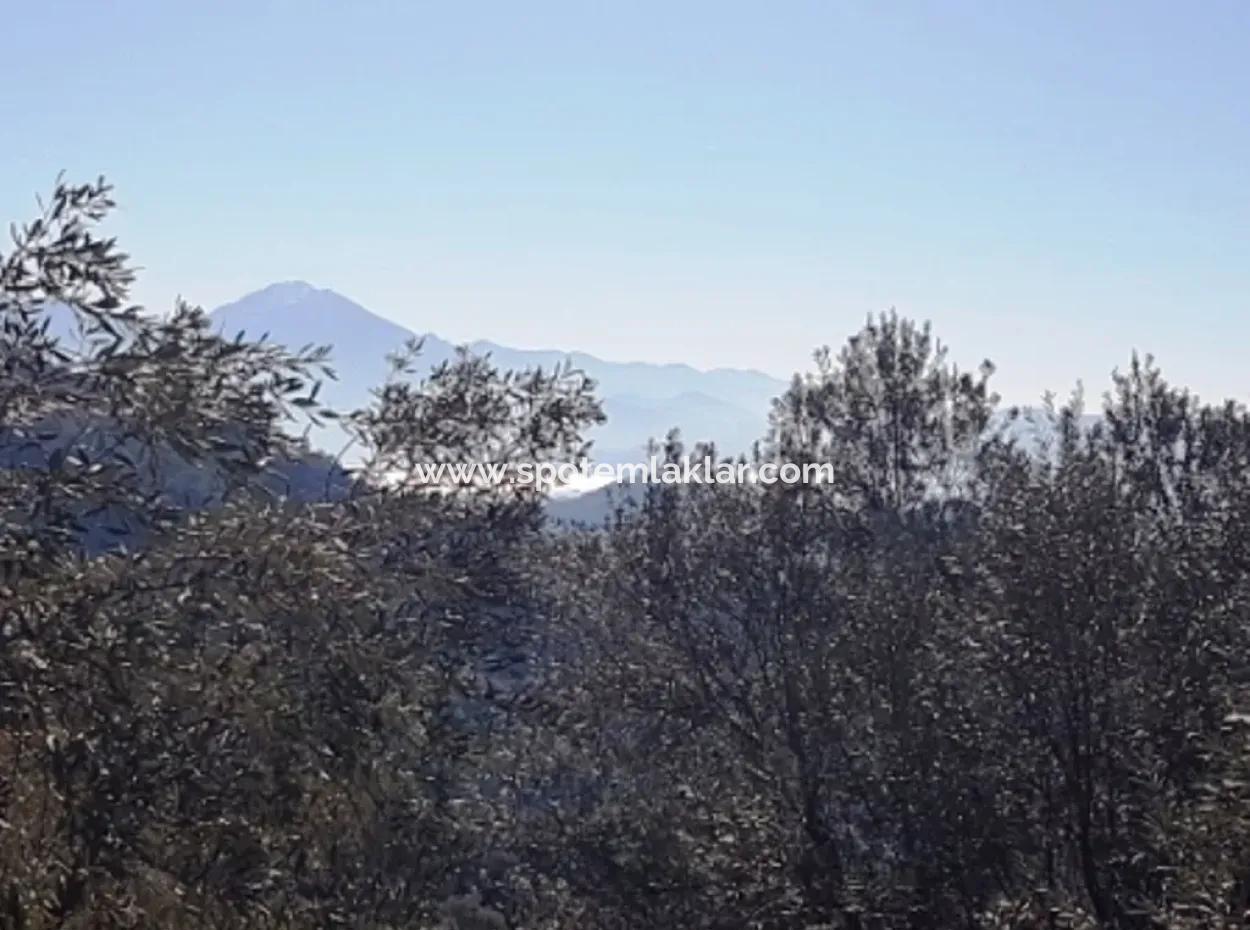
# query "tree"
(890, 413)
(255, 710)
(770, 667)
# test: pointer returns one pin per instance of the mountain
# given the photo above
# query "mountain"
(641, 400)
(296, 314)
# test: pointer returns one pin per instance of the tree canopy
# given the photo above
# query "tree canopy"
(963, 684)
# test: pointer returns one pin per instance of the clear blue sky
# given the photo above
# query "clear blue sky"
(1053, 184)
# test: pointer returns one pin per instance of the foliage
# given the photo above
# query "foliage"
(960, 685)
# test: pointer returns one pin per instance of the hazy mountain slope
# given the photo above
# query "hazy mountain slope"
(699, 416)
(736, 387)
(727, 406)
(296, 314)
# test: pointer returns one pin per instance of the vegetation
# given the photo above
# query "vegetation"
(964, 684)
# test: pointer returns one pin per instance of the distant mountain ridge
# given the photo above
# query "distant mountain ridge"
(642, 400)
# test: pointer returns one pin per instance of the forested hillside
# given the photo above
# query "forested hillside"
(963, 685)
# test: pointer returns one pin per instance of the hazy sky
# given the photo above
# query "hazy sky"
(1052, 183)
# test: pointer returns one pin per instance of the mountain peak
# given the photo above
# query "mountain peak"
(285, 292)
(296, 313)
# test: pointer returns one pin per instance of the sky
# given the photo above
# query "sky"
(1052, 184)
